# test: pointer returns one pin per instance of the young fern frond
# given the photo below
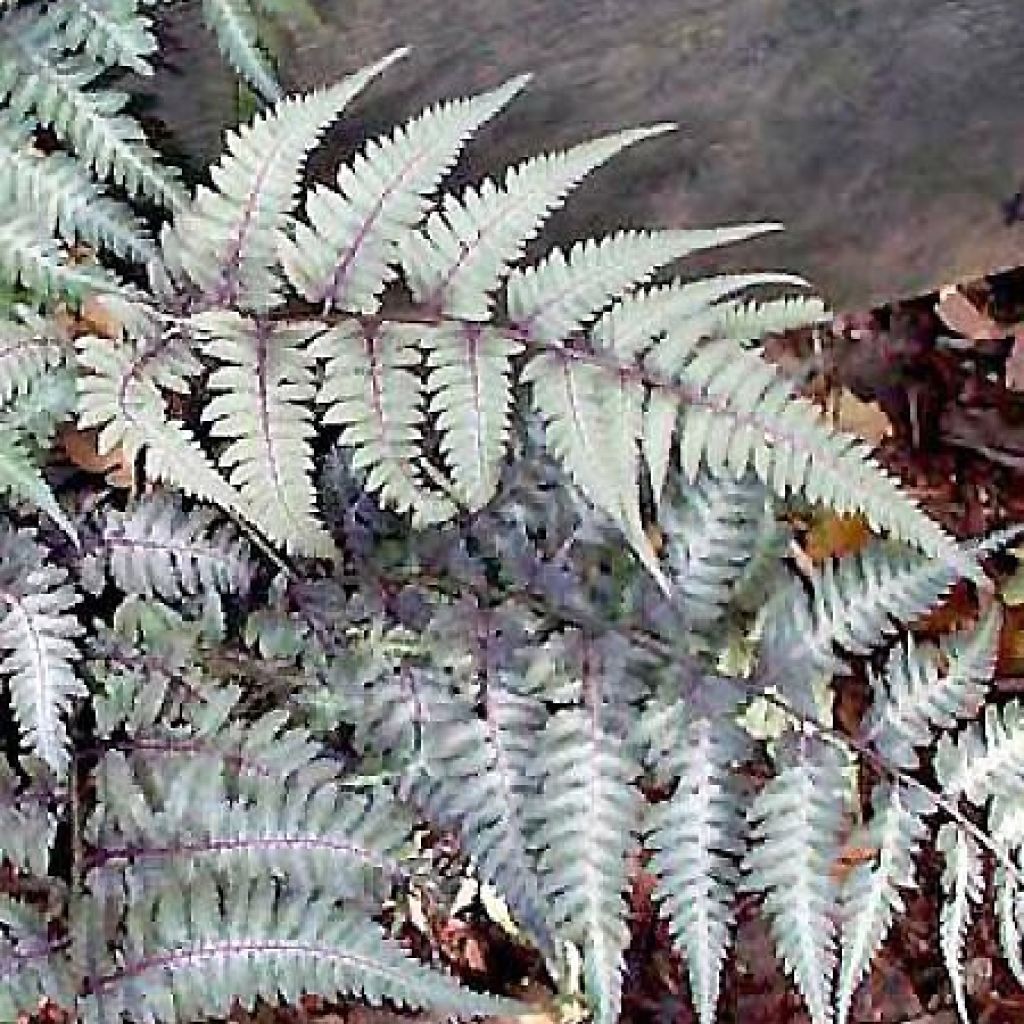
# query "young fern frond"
(159, 549)
(37, 639)
(697, 836)
(918, 696)
(262, 387)
(795, 823)
(225, 241)
(870, 897)
(234, 25)
(347, 253)
(962, 888)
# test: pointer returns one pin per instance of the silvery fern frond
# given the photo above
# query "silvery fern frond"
(1009, 908)
(115, 33)
(986, 758)
(552, 299)
(28, 350)
(234, 24)
(697, 836)
(738, 413)
(870, 897)
(346, 254)
(749, 322)
(22, 481)
(588, 815)
(128, 408)
(372, 391)
(925, 689)
(711, 534)
(795, 824)
(158, 548)
(963, 886)
(30, 256)
(464, 250)
(224, 242)
(37, 638)
(63, 196)
(855, 605)
(28, 825)
(60, 93)
(262, 387)
(33, 966)
(267, 943)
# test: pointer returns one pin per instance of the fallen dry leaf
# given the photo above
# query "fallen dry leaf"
(80, 448)
(834, 536)
(865, 419)
(961, 315)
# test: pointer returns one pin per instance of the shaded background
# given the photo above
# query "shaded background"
(888, 135)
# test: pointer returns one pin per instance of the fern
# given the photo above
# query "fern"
(795, 823)
(37, 633)
(983, 760)
(871, 896)
(962, 888)
(160, 549)
(262, 384)
(697, 835)
(237, 34)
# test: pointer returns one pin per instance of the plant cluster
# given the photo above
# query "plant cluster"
(370, 577)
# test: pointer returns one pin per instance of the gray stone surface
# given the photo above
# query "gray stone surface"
(887, 134)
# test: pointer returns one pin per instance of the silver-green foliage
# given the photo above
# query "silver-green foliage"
(506, 669)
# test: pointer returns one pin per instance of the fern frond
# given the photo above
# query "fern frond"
(159, 549)
(984, 760)
(962, 888)
(738, 413)
(26, 353)
(129, 409)
(92, 122)
(919, 696)
(749, 322)
(371, 389)
(1009, 908)
(471, 400)
(115, 33)
(466, 246)
(31, 257)
(346, 254)
(856, 604)
(591, 422)
(33, 967)
(795, 824)
(28, 827)
(225, 241)
(586, 824)
(711, 532)
(262, 387)
(479, 775)
(21, 480)
(194, 953)
(64, 198)
(234, 25)
(37, 634)
(696, 836)
(554, 298)
(870, 895)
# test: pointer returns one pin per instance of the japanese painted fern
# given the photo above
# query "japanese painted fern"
(369, 575)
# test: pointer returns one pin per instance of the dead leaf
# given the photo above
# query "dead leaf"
(851, 857)
(80, 448)
(961, 315)
(865, 419)
(99, 318)
(834, 536)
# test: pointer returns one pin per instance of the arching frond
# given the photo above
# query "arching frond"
(234, 25)
(962, 889)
